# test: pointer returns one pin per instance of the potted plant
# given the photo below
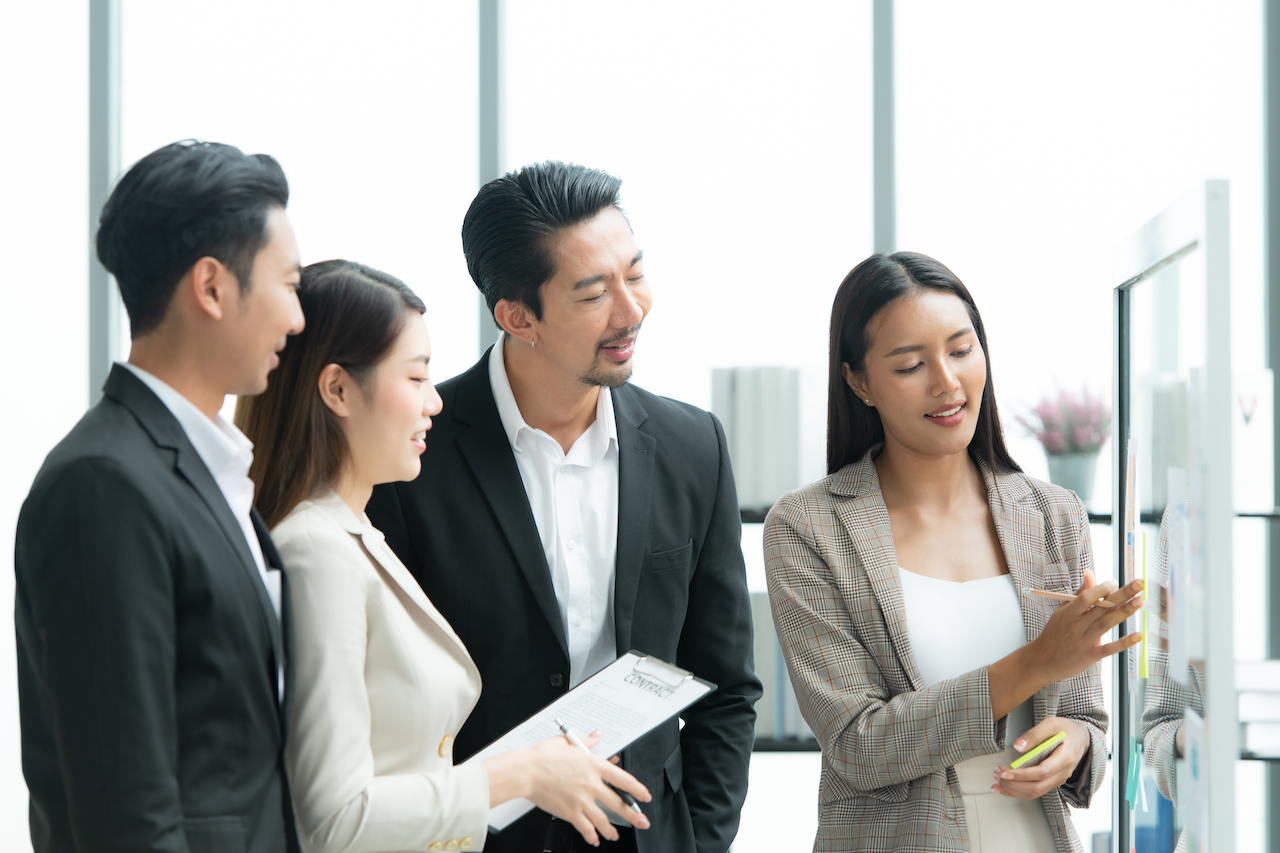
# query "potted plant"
(1072, 429)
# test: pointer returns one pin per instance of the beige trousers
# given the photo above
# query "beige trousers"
(999, 824)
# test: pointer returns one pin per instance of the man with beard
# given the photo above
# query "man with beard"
(564, 516)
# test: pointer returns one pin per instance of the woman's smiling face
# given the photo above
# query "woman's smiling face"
(924, 373)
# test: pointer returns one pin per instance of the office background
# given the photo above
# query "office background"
(1026, 140)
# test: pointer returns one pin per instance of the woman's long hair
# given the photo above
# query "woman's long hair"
(854, 428)
(353, 316)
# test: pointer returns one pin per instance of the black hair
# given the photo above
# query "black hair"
(186, 201)
(852, 428)
(354, 315)
(507, 232)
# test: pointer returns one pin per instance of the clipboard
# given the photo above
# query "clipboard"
(624, 701)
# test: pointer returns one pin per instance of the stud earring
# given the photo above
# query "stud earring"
(868, 401)
(533, 344)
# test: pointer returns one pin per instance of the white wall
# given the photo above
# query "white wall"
(1033, 137)
(370, 109)
(43, 296)
(742, 134)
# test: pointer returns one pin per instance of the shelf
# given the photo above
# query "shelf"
(768, 744)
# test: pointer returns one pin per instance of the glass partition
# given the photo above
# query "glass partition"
(1175, 728)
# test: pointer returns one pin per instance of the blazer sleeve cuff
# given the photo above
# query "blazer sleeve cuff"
(1161, 748)
(1087, 777)
(472, 782)
(986, 736)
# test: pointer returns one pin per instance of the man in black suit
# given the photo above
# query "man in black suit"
(564, 517)
(154, 665)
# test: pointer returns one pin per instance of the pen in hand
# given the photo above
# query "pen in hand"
(1061, 596)
(573, 739)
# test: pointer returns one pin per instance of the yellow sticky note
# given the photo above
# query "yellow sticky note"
(1142, 646)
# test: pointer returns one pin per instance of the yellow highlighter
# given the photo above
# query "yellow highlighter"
(1039, 752)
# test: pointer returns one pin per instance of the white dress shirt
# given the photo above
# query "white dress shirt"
(574, 498)
(955, 628)
(227, 453)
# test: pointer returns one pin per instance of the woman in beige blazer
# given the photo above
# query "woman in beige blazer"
(383, 683)
(900, 591)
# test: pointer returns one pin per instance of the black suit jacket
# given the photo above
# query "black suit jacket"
(465, 529)
(147, 647)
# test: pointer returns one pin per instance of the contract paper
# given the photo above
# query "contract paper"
(624, 701)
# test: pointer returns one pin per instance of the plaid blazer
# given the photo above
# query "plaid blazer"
(888, 743)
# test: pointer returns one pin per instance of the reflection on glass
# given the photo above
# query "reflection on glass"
(1163, 733)
(1164, 393)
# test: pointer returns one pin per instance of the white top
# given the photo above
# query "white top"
(574, 498)
(227, 453)
(956, 628)
(383, 686)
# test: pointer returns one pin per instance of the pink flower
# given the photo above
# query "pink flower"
(1069, 423)
(1053, 440)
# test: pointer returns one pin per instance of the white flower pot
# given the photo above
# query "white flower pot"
(1074, 471)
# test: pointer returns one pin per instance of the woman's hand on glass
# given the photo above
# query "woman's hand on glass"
(1071, 642)
(571, 784)
(1029, 783)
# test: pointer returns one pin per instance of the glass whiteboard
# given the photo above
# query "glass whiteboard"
(1175, 727)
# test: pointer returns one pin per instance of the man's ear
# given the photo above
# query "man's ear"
(209, 282)
(336, 387)
(516, 320)
(856, 381)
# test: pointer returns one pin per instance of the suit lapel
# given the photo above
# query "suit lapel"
(378, 549)
(395, 574)
(1020, 529)
(284, 624)
(192, 468)
(866, 519)
(487, 451)
(165, 431)
(637, 452)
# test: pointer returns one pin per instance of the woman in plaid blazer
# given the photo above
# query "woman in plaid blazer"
(920, 477)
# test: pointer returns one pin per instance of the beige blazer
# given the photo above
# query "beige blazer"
(889, 745)
(383, 685)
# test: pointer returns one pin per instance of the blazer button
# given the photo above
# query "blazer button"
(452, 845)
(557, 680)
(466, 843)
(446, 743)
(436, 846)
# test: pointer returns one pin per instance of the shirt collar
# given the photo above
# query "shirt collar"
(514, 423)
(223, 448)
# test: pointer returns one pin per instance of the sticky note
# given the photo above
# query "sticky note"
(1142, 647)
(1135, 762)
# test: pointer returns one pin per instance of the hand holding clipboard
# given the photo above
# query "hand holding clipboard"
(624, 701)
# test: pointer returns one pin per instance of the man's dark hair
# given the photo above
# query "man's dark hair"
(181, 203)
(508, 230)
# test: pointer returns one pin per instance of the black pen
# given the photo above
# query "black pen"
(573, 739)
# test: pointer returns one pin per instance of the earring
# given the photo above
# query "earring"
(533, 344)
(868, 401)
